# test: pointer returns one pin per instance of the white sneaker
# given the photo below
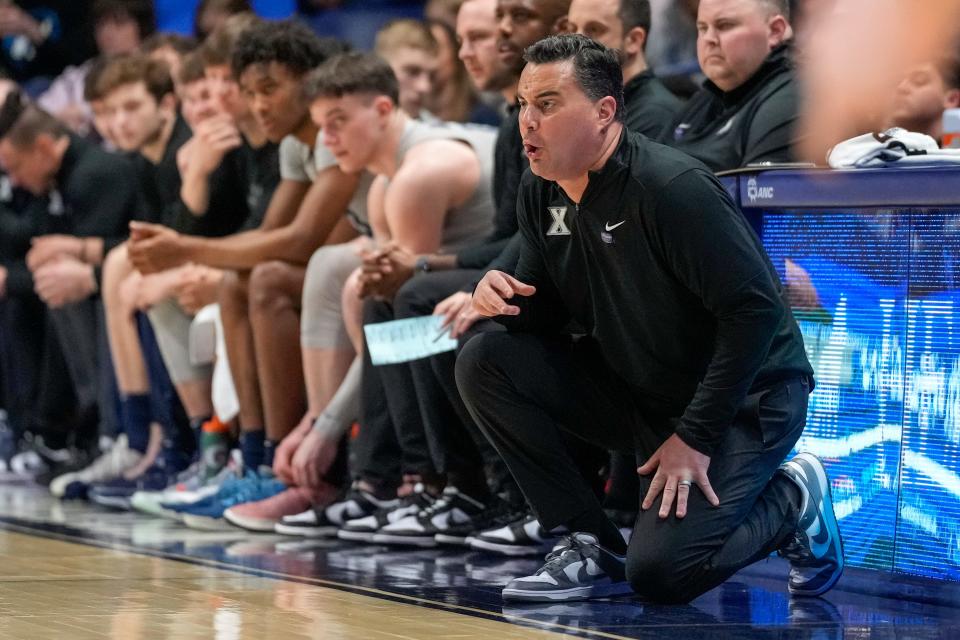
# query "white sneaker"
(111, 464)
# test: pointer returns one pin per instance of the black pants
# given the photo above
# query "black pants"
(526, 390)
(623, 486)
(391, 441)
(458, 446)
(36, 394)
(80, 328)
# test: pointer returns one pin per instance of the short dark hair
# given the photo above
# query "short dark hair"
(596, 68)
(124, 70)
(287, 42)
(140, 11)
(350, 74)
(635, 13)
(21, 122)
(92, 79)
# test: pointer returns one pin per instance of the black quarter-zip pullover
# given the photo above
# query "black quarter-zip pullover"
(756, 122)
(660, 268)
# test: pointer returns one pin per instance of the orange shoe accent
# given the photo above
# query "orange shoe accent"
(213, 425)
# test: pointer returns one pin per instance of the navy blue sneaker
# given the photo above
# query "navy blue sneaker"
(815, 550)
(116, 493)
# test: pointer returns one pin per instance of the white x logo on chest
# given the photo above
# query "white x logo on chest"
(559, 226)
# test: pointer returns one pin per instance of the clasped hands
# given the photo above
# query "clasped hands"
(60, 276)
(384, 270)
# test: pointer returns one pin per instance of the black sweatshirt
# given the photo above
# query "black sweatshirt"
(95, 195)
(21, 219)
(651, 108)
(753, 123)
(659, 268)
(160, 191)
(509, 163)
(160, 183)
(262, 166)
(21, 216)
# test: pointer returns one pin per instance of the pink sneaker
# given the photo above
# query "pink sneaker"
(264, 514)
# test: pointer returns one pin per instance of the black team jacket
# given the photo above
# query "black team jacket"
(650, 107)
(662, 271)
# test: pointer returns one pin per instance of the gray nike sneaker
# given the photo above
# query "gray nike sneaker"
(578, 568)
(815, 551)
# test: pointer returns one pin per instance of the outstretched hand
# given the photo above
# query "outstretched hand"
(678, 468)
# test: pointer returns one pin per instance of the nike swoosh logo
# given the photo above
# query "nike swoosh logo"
(611, 227)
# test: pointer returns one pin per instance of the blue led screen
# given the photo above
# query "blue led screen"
(877, 295)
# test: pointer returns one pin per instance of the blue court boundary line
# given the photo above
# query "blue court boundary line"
(64, 533)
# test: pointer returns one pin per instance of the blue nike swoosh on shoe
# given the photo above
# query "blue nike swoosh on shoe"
(821, 567)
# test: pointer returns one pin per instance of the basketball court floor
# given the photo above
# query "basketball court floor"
(71, 570)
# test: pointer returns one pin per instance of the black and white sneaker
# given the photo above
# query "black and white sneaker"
(578, 568)
(325, 522)
(453, 508)
(523, 537)
(363, 529)
(496, 513)
(815, 551)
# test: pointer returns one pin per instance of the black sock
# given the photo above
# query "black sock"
(136, 412)
(251, 448)
(269, 447)
(596, 522)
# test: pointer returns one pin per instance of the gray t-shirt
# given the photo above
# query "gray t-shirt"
(296, 161)
(301, 163)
